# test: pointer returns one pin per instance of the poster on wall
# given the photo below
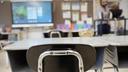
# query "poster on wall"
(75, 16)
(84, 7)
(75, 6)
(66, 14)
(66, 6)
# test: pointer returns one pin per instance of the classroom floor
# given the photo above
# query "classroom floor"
(4, 66)
(111, 70)
(122, 69)
(6, 69)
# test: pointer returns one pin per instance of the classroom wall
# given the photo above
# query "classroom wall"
(6, 18)
(5, 14)
(57, 10)
(124, 7)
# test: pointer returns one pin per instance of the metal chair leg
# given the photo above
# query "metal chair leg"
(95, 70)
(99, 70)
(116, 69)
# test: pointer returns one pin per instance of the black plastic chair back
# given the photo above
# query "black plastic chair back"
(61, 63)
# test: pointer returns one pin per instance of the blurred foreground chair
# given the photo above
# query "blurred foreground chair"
(61, 57)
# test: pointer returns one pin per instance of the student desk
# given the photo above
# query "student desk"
(17, 51)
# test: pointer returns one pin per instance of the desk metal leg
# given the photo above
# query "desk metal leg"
(99, 59)
(111, 56)
(108, 54)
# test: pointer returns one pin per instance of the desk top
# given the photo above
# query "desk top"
(117, 40)
(26, 44)
(93, 41)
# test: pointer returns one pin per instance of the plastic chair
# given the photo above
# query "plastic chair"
(61, 57)
(55, 33)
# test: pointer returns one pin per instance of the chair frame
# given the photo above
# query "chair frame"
(52, 32)
(60, 53)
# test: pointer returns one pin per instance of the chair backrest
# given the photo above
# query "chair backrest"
(4, 36)
(55, 33)
(62, 63)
